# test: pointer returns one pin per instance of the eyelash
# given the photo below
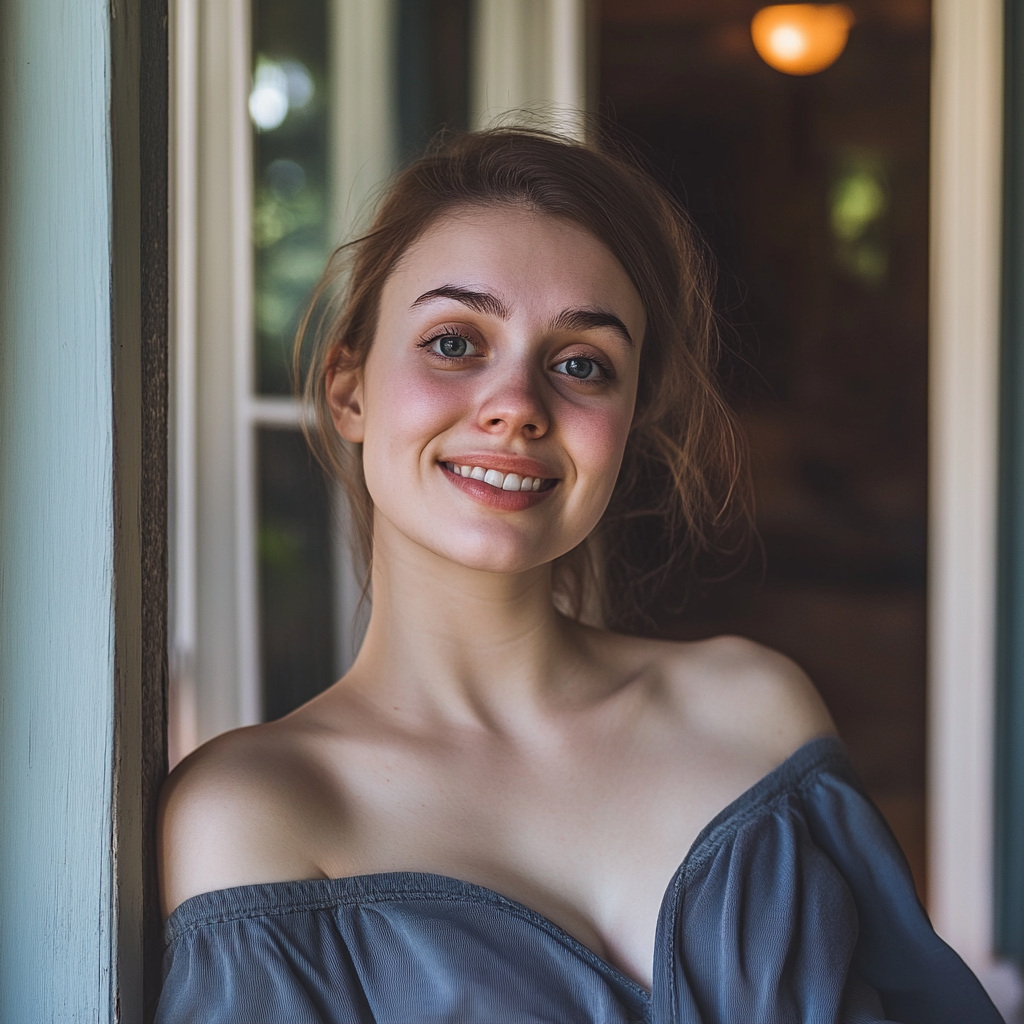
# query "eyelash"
(445, 332)
(607, 371)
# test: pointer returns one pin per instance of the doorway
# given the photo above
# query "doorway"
(812, 194)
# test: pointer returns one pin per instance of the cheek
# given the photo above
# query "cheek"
(406, 409)
(596, 439)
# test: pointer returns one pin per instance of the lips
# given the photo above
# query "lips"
(502, 489)
(498, 480)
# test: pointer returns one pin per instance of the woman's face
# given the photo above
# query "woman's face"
(496, 400)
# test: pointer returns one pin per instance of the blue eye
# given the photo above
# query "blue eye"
(579, 367)
(453, 346)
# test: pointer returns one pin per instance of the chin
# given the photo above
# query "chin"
(481, 540)
(494, 555)
(490, 548)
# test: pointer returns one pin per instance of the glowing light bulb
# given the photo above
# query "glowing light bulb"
(787, 42)
(801, 39)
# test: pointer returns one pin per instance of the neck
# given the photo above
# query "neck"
(462, 642)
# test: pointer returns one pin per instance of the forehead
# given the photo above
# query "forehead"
(528, 258)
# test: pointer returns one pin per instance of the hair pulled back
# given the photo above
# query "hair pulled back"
(684, 461)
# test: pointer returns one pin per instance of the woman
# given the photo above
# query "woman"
(501, 814)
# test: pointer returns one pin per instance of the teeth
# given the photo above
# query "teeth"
(503, 481)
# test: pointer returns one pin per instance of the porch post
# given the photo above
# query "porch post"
(82, 346)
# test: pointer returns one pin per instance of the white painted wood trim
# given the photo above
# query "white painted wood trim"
(967, 85)
(362, 139)
(569, 64)
(529, 55)
(182, 725)
(226, 666)
(362, 153)
(276, 411)
(246, 574)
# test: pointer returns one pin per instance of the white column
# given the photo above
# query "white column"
(226, 658)
(967, 86)
(363, 108)
(183, 723)
(244, 358)
(529, 55)
(569, 63)
(363, 133)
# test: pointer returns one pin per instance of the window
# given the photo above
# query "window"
(288, 116)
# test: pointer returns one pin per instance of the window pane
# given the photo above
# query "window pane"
(288, 106)
(308, 632)
(290, 111)
(433, 70)
(296, 594)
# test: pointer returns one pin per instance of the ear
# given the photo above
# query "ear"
(345, 398)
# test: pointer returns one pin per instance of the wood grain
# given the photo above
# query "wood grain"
(56, 515)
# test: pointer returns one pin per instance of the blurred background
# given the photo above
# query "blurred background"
(801, 150)
(811, 191)
(812, 194)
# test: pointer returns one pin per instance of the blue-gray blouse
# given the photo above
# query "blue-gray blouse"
(794, 906)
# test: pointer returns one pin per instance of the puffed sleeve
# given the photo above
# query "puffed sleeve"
(797, 905)
(919, 979)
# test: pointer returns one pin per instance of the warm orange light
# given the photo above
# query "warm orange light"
(801, 39)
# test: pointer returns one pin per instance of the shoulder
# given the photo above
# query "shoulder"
(750, 696)
(743, 695)
(236, 812)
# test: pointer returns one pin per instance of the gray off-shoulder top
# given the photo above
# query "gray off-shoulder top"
(794, 906)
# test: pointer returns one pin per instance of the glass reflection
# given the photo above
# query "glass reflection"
(859, 201)
(289, 110)
(421, 84)
(296, 593)
(813, 193)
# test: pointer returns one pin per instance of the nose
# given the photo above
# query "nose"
(513, 408)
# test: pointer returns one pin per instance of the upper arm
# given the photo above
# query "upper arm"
(231, 814)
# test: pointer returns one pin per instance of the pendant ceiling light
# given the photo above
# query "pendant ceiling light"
(801, 39)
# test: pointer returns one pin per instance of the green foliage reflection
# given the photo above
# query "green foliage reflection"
(859, 202)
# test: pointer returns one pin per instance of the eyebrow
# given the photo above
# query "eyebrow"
(590, 319)
(479, 302)
(580, 319)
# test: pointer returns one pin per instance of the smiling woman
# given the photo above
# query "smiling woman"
(512, 360)
(582, 201)
(506, 404)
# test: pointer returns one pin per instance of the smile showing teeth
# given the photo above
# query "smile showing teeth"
(501, 481)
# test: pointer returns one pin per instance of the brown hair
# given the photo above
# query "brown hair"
(684, 463)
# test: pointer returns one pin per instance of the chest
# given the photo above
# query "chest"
(589, 838)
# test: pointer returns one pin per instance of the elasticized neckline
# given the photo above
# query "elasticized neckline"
(269, 899)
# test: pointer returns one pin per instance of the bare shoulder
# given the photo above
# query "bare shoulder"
(236, 812)
(749, 697)
(760, 696)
